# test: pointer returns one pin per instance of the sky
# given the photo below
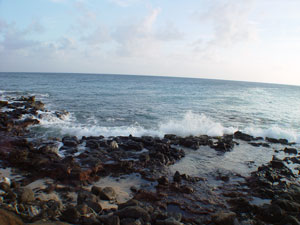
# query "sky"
(250, 40)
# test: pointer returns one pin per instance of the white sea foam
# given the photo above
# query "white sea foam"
(195, 124)
(189, 124)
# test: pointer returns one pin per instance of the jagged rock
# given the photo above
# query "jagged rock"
(96, 190)
(290, 151)
(271, 213)
(277, 141)
(177, 177)
(71, 215)
(70, 141)
(108, 193)
(287, 205)
(132, 145)
(243, 136)
(163, 180)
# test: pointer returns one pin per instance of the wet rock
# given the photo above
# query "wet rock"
(8, 218)
(287, 205)
(132, 145)
(278, 164)
(163, 180)
(243, 136)
(96, 190)
(108, 193)
(4, 186)
(224, 144)
(50, 147)
(271, 213)
(289, 220)
(86, 196)
(277, 141)
(93, 144)
(26, 195)
(148, 141)
(70, 141)
(290, 151)
(134, 212)
(62, 114)
(177, 177)
(38, 105)
(190, 142)
(186, 189)
(71, 215)
(224, 218)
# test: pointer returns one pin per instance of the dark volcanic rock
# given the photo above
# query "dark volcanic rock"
(70, 141)
(277, 141)
(108, 193)
(290, 151)
(135, 212)
(243, 136)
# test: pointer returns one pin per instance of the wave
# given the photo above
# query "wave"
(189, 124)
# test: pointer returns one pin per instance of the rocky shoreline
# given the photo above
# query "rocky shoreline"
(55, 179)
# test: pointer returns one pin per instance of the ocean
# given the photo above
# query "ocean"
(119, 105)
(112, 105)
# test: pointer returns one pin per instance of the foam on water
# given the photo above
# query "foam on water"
(189, 124)
(195, 124)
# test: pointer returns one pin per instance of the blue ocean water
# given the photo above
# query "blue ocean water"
(113, 105)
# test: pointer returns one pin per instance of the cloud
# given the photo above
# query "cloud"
(169, 32)
(231, 25)
(99, 36)
(124, 3)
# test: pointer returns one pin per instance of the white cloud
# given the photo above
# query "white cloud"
(231, 25)
(124, 3)
(138, 39)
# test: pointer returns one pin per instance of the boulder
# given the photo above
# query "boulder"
(224, 218)
(134, 212)
(108, 193)
(70, 141)
(26, 195)
(277, 141)
(290, 151)
(243, 136)
(8, 218)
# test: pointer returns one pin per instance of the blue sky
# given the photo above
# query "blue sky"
(253, 40)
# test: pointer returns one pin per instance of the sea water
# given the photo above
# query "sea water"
(113, 105)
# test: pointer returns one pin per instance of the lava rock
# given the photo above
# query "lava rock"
(108, 193)
(134, 212)
(243, 136)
